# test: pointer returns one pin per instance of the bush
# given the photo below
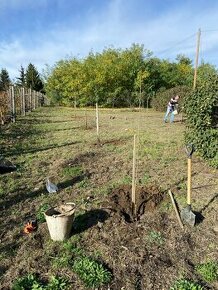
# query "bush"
(202, 120)
(209, 271)
(162, 98)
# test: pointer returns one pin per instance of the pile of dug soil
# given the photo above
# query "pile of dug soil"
(147, 200)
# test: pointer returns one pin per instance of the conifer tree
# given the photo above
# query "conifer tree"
(4, 80)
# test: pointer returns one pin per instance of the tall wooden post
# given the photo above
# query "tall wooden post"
(23, 101)
(140, 92)
(196, 58)
(97, 123)
(12, 103)
(1, 117)
(86, 119)
(34, 100)
(134, 178)
(30, 100)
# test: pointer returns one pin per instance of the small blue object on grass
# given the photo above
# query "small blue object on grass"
(51, 187)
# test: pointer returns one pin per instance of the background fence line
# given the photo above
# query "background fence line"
(19, 101)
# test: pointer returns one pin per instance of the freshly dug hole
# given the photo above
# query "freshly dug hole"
(147, 200)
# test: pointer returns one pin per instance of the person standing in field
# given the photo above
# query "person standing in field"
(171, 109)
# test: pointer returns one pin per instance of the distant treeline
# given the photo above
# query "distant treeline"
(28, 78)
(118, 77)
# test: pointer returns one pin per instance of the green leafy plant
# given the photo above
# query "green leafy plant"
(91, 272)
(57, 283)
(209, 271)
(156, 238)
(31, 282)
(67, 251)
(40, 214)
(28, 282)
(183, 284)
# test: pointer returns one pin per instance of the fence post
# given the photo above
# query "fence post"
(12, 103)
(30, 99)
(34, 100)
(23, 101)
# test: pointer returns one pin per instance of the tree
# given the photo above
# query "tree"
(21, 81)
(4, 80)
(33, 80)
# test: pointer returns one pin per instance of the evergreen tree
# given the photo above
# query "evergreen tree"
(21, 81)
(4, 80)
(33, 80)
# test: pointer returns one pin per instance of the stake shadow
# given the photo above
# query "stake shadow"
(18, 151)
(23, 196)
(89, 219)
(209, 203)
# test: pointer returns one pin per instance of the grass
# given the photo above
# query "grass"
(48, 139)
(40, 214)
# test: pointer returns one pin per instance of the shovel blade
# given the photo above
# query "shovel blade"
(188, 216)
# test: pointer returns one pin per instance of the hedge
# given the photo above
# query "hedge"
(201, 109)
(162, 98)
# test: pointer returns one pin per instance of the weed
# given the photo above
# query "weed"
(209, 271)
(156, 238)
(31, 282)
(66, 253)
(91, 272)
(72, 171)
(40, 214)
(27, 282)
(126, 180)
(183, 284)
(145, 179)
(57, 283)
(84, 183)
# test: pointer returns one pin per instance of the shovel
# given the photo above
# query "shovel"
(186, 214)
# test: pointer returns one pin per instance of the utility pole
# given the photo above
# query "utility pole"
(196, 58)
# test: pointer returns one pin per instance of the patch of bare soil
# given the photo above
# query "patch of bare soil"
(147, 199)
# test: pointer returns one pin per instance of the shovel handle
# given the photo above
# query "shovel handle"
(189, 181)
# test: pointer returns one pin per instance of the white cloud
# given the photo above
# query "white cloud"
(112, 27)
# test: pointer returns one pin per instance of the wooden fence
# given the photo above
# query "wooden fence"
(18, 101)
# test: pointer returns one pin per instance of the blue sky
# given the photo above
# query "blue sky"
(45, 31)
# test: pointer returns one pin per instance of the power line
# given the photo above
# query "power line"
(209, 30)
(176, 44)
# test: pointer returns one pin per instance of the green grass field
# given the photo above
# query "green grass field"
(55, 143)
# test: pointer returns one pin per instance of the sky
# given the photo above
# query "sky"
(43, 32)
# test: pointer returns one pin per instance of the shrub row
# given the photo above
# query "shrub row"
(161, 99)
(201, 108)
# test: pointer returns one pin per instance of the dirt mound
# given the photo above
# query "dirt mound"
(147, 199)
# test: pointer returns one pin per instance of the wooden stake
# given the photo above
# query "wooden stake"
(1, 116)
(97, 123)
(23, 101)
(134, 178)
(86, 119)
(30, 100)
(13, 103)
(196, 58)
(176, 209)
(34, 100)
